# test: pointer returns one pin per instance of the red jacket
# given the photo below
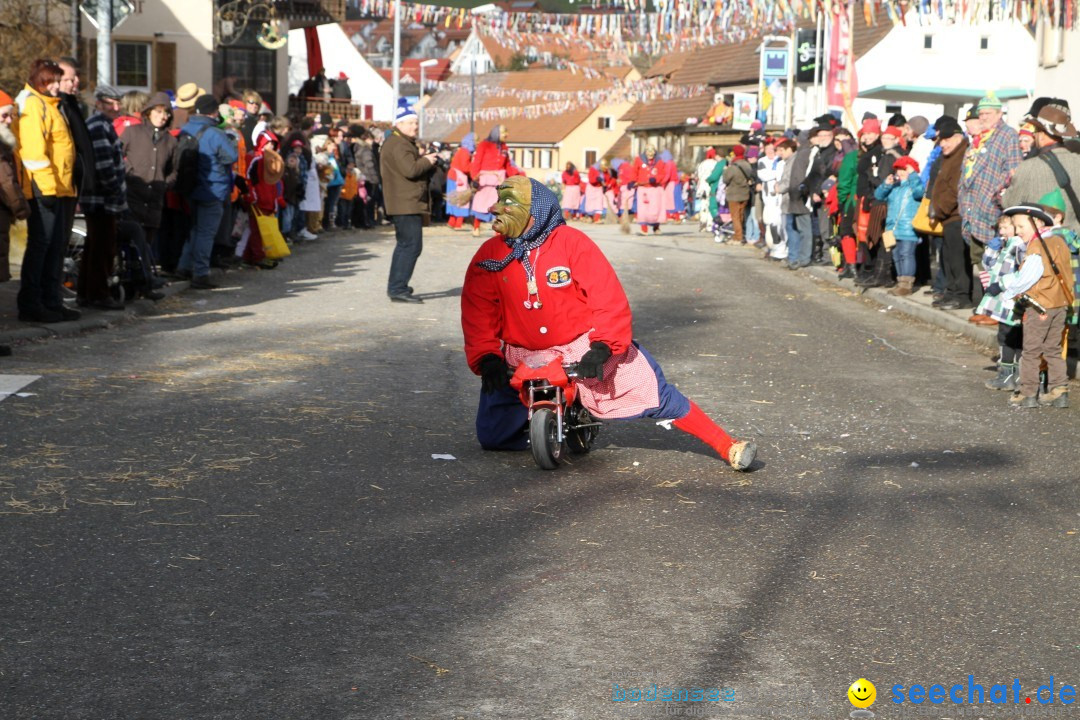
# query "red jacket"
(627, 173)
(596, 177)
(268, 197)
(577, 287)
(461, 162)
(573, 178)
(492, 156)
(655, 171)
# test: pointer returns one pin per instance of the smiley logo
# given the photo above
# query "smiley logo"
(558, 276)
(862, 693)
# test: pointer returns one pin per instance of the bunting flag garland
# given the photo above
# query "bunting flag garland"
(666, 25)
(544, 103)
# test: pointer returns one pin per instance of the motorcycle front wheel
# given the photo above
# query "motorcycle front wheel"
(544, 439)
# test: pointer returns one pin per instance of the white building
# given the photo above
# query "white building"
(1058, 58)
(339, 55)
(940, 68)
(163, 44)
(473, 56)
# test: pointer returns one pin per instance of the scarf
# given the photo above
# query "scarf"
(547, 215)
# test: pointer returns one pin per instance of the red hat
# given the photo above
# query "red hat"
(710, 153)
(906, 162)
(894, 131)
(872, 125)
(5, 99)
(342, 75)
(738, 151)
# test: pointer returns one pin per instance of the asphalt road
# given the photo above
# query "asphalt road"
(231, 510)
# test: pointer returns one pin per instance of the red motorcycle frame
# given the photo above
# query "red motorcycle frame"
(557, 419)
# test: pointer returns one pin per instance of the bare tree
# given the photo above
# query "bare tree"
(31, 29)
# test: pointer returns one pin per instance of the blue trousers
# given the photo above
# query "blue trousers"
(903, 256)
(800, 241)
(409, 234)
(205, 220)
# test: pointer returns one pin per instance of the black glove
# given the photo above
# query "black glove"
(494, 374)
(241, 184)
(994, 290)
(591, 364)
(474, 185)
(652, 181)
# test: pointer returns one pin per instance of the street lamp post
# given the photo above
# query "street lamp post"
(423, 66)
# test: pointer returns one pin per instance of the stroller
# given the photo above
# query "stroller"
(131, 273)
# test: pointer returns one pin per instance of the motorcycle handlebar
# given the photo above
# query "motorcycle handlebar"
(570, 370)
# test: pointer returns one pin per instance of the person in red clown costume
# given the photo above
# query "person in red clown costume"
(571, 192)
(611, 184)
(265, 194)
(458, 179)
(651, 176)
(541, 285)
(594, 194)
(627, 183)
(491, 164)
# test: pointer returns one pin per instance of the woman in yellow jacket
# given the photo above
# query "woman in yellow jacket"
(48, 158)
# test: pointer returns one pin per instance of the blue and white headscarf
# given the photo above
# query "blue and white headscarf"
(469, 142)
(547, 215)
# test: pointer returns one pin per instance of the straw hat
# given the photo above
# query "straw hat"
(187, 94)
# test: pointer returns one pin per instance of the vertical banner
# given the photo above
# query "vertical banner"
(745, 111)
(314, 51)
(807, 56)
(842, 83)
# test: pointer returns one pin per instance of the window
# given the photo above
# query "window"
(240, 68)
(928, 42)
(590, 158)
(1051, 45)
(527, 159)
(545, 159)
(131, 65)
(984, 43)
(603, 123)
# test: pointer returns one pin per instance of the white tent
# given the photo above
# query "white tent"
(340, 55)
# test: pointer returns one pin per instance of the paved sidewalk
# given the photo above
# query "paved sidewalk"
(13, 331)
(916, 305)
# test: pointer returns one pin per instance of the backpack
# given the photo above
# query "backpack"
(187, 162)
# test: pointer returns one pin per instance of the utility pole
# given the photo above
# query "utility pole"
(397, 58)
(104, 42)
(75, 30)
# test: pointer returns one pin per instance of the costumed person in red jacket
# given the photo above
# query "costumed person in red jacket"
(458, 179)
(611, 184)
(265, 194)
(491, 164)
(672, 183)
(594, 194)
(651, 176)
(627, 183)
(571, 192)
(541, 285)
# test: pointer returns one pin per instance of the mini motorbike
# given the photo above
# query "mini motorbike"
(558, 423)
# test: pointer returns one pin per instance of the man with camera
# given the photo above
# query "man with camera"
(405, 176)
